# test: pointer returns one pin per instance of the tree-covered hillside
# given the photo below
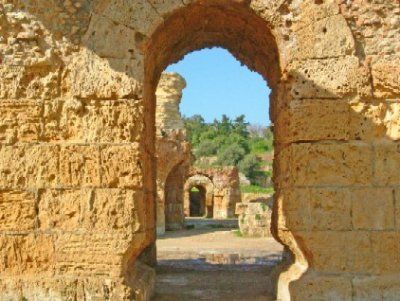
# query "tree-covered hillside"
(229, 142)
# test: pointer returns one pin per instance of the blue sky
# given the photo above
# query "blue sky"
(217, 84)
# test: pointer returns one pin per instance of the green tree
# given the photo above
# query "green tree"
(206, 148)
(249, 166)
(231, 155)
(224, 126)
(194, 125)
(240, 126)
(233, 141)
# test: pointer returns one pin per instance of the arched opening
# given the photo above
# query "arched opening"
(232, 26)
(198, 196)
(197, 199)
(174, 198)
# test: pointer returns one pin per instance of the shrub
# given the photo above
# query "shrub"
(206, 148)
(249, 166)
(231, 155)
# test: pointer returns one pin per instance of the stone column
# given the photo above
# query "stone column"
(173, 152)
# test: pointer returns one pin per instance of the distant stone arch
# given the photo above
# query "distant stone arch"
(222, 190)
(206, 187)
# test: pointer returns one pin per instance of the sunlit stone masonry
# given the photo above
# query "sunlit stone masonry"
(255, 214)
(77, 139)
(211, 192)
(172, 151)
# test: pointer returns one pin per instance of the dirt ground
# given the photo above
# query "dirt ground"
(215, 265)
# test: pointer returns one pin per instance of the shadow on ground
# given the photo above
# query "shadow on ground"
(216, 264)
(191, 232)
(190, 280)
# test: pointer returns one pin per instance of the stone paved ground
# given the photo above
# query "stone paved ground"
(215, 265)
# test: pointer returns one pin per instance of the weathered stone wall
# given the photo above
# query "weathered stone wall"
(77, 139)
(172, 151)
(206, 190)
(169, 96)
(254, 215)
(76, 211)
(222, 190)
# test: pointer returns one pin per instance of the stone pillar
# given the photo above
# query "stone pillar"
(173, 152)
(169, 96)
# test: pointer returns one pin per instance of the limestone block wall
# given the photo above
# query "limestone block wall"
(222, 190)
(254, 215)
(77, 139)
(76, 211)
(172, 152)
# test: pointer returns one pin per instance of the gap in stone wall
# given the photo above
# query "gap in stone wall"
(214, 240)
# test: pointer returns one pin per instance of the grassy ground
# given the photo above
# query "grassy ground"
(256, 189)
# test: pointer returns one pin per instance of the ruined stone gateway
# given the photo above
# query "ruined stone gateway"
(219, 191)
(77, 153)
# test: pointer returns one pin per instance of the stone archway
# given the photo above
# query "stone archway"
(249, 38)
(205, 186)
(78, 139)
(197, 202)
(174, 217)
(306, 139)
(222, 187)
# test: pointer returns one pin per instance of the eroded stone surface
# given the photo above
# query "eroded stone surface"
(254, 215)
(172, 151)
(220, 189)
(77, 144)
